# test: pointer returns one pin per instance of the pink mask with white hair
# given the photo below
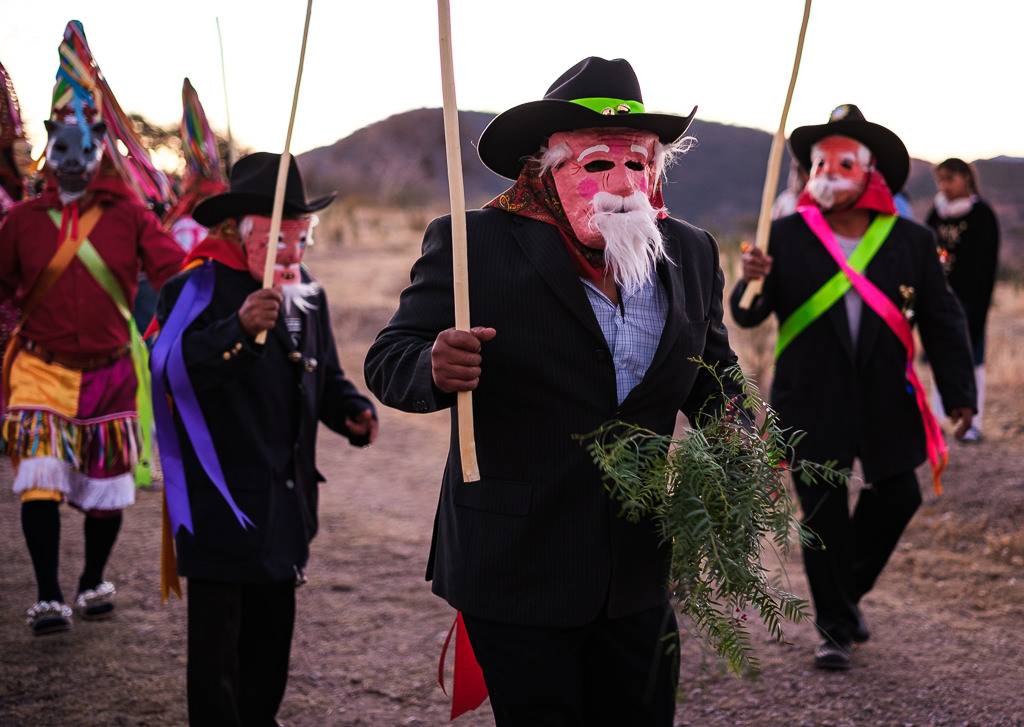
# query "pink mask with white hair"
(839, 172)
(254, 232)
(606, 167)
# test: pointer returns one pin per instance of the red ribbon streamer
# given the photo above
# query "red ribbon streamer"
(468, 688)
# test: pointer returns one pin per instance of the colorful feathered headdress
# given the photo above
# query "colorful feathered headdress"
(10, 111)
(204, 176)
(15, 150)
(81, 93)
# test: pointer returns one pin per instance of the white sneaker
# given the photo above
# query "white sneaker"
(972, 435)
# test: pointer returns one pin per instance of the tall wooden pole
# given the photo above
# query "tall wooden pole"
(227, 111)
(460, 272)
(282, 176)
(771, 180)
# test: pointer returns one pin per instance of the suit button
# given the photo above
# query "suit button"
(290, 484)
(600, 354)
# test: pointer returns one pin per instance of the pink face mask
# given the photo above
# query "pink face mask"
(839, 172)
(618, 162)
(291, 244)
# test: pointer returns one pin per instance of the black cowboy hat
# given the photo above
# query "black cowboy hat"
(593, 93)
(251, 192)
(891, 157)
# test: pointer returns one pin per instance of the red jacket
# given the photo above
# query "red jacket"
(77, 316)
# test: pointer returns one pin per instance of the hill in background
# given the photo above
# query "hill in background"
(400, 161)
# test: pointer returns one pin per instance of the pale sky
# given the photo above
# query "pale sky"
(945, 76)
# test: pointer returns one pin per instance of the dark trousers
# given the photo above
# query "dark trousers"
(620, 671)
(239, 641)
(848, 552)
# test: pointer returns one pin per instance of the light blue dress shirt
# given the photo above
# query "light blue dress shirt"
(632, 329)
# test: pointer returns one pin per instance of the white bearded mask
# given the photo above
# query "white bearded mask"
(839, 172)
(294, 236)
(604, 179)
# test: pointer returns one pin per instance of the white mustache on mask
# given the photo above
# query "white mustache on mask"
(825, 189)
(633, 242)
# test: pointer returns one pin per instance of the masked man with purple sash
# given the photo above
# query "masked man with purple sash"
(848, 280)
(239, 450)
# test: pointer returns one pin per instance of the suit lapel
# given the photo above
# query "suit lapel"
(822, 267)
(544, 250)
(672, 279)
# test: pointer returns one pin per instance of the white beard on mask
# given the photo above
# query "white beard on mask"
(824, 190)
(633, 242)
(300, 295)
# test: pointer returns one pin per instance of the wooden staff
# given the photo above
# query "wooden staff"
(282, 177)
(460, 271)
(764, 220)
(227, 111)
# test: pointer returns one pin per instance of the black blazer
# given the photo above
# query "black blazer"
(856, 401)
(538, 540)
(262, 411)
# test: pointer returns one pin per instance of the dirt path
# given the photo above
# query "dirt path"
(947, 616)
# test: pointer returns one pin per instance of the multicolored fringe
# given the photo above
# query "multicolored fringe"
(97, 448)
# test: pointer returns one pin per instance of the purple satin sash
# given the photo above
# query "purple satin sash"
(170, 376)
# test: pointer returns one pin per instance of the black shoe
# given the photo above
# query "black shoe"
(833, 656)
(861, 633)
(48, 617)
(96, 604)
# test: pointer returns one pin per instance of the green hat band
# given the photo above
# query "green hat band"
(610, 106)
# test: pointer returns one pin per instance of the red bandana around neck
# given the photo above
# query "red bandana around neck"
(221, 244)
(876, 196)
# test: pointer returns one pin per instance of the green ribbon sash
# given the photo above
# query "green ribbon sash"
(828, 294)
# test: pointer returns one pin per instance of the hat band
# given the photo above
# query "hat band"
(610, 106)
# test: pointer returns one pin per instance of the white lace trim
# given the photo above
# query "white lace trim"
(102, 592)
(44, 473)
(102, 493)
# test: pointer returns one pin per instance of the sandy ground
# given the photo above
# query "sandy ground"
(947, 615)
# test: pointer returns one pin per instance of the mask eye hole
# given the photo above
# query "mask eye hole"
(635, 166)
(601, 165)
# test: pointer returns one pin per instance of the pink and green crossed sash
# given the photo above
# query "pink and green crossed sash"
(850, 275)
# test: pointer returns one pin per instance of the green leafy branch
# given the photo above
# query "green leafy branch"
(718, 495)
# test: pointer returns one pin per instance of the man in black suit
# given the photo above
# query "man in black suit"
(847, 279)
(588, 304)
(239, 450)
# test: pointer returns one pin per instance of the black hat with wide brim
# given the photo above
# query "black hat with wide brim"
(251, 192)
(593, 93)
(891, 156)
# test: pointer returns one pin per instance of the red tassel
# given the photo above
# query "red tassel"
(468, 688)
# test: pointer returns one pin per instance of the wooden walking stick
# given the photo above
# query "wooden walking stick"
(764, 220)
(460, 272)
(282, 177)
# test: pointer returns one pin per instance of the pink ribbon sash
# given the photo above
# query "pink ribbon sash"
(880, 304)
